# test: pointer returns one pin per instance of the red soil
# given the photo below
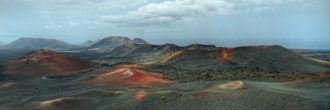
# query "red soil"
(226, 53)
(171, 56)
(140, 95)
(55, 100)
(129, 44)
(6, 85)
(130, 77)
(193, 47)
(321, 77)
(130, 66)
(325, 73)
(234, 85)
(266, 46)
(44, 62)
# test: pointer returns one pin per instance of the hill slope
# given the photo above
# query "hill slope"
(45, 62)
(269, 58)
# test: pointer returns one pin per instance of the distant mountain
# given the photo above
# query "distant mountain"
(139, 41)
(2, 44)
(87, 43)
(141, 53)
(44, 62)
(37, 44)
(109, 43)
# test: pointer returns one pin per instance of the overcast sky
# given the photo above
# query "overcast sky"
(290, 23)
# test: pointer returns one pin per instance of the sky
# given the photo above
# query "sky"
(295, 24)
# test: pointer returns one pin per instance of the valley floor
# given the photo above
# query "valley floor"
(204, 89)
(73, 94)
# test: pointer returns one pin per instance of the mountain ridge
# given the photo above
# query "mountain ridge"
(2, 43)
(275, 58)
(37, 44)
(111, 42)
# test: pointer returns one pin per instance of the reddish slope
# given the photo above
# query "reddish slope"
(44, 62)
(325, 73)
(130, 77)
(171, 56)
(321, 77)
(319, 80)
(226, 53)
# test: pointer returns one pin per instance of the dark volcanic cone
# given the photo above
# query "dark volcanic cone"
(269, 58)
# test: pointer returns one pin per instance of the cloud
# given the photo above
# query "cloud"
(71, 23)
(170, 11)
(52, 25)
(178, 10)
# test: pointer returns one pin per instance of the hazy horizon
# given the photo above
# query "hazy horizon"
(294, 24)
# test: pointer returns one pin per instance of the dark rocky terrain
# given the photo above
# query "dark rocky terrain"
(117, 73)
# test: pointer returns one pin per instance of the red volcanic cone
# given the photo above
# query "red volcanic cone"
(130, 77)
